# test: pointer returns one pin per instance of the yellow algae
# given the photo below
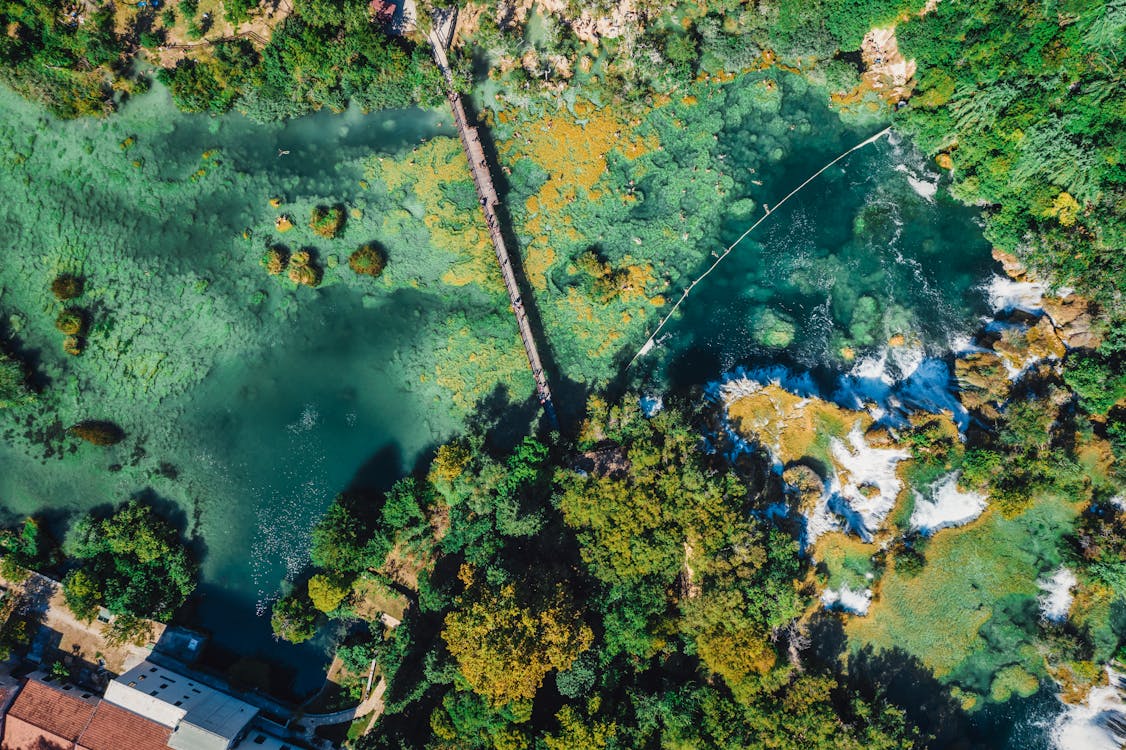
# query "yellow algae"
(500, 359)
(433, 165)
(792, 426)
(572, 149)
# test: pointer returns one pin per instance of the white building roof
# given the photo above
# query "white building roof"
(202, 718)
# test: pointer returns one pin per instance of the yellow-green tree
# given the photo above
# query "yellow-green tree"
(578, 732)
(327, 593)
(505, 644)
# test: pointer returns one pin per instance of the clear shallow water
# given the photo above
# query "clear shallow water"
(873, 251)
(248, 405)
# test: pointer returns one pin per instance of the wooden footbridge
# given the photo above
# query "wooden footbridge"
(440, 35)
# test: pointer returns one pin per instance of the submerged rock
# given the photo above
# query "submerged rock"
(97, 432)
(773, 329)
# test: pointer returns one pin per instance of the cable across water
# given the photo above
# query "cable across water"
(651, 342)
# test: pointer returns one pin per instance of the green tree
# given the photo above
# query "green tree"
(327, 593)
(1098, 381)
(294, 618)
(348, 540)
(141, 566)
(83, 594)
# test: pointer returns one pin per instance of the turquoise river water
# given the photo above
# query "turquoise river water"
(248, 405)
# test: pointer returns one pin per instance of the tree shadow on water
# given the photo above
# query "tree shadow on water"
(895, 677)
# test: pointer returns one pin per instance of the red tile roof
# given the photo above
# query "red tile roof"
(52, 710)
(114, 728)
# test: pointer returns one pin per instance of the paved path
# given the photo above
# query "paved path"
(441, 31)
(372, 704)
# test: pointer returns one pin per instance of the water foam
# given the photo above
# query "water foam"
(845, 599)
(866, 486)
(1098, 723)
(1055, 601)
(1008, 294)
(923, 187)
(944, 505)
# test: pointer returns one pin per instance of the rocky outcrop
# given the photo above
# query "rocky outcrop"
(983, 381)
(1073, 318)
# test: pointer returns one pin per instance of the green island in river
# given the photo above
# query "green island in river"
(548, 375)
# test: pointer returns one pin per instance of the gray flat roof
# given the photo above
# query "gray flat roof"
(189, 737)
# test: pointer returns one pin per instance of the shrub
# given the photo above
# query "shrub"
(73, 345)
(305, 275)
(71, 321)
(66, 287)
(275, 260)
(327, 221)
(369, 260)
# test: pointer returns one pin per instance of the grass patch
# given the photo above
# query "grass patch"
(966, 614)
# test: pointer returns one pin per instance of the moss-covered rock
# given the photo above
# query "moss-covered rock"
(806, 484)
(983, 381)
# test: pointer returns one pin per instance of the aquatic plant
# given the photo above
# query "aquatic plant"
(13, 382)
(327, 221)
(97, 432)
(368, 260)
(66, 287)
(71, 321)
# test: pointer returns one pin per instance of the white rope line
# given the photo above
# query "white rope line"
(649, 344)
